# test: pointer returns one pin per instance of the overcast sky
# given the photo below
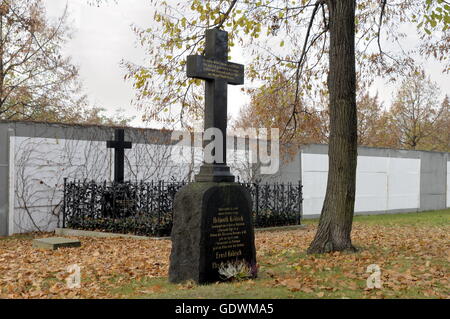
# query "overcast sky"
(103, 37)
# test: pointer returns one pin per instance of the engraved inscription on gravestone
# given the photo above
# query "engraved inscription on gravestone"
(226, 234)
(227, 229)
(209, 69)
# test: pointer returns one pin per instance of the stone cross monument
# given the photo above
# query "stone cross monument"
(212, 219)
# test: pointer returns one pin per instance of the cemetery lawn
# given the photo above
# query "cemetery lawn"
(412, 250)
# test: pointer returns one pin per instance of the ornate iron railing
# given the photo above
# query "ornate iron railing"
(146, 208)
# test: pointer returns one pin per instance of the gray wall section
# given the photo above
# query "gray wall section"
(433, 173)
(433, 181)
(368, 151)
(84, 132)
(4, 180)
(289, 172)
(75, 132)
(100, 133)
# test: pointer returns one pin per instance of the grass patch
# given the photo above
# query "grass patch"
(428, 218)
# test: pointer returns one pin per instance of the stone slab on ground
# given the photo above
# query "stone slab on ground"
(100, 234)
(55, 243)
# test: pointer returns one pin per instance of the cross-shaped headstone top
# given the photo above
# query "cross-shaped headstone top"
(119, 145)
(119, 142)
(214, 68)
(214, 64)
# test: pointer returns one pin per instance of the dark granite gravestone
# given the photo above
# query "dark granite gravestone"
(212, 222)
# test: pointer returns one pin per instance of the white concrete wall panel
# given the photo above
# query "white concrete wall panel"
(40, 165)
(371, 191)
(404, 183)
(382, 183)
(314, 180)
(448, 184)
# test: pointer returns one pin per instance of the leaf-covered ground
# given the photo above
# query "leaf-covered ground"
(412, 250)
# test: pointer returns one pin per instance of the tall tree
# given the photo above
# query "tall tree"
(268, 104)
(417, 115)
(36, 81)
(442, 138)
(337, 212)
(369, 112)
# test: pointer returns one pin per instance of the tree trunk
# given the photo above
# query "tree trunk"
(336, 219)
(2, 76)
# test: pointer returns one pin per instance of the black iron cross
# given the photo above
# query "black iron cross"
(119, 146)
(217, 72)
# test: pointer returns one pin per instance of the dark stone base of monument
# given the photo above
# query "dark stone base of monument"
(212, 226)
(214, 173)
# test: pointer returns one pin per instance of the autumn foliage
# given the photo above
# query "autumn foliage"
(417, 119)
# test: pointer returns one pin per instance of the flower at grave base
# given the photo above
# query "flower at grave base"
(237, 270)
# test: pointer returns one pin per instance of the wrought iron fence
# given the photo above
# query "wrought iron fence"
(146, 208)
